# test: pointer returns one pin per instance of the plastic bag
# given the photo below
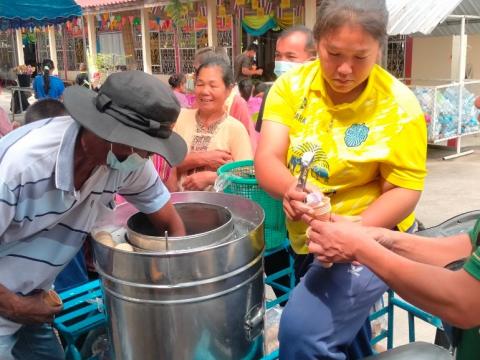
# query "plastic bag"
(222, 182)
(272, 324)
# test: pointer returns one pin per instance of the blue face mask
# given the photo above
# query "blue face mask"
(281, 67)
(131, 163)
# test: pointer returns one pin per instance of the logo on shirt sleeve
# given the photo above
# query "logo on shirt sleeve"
(356, 135)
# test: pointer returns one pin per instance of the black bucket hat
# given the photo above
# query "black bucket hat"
(132, 108)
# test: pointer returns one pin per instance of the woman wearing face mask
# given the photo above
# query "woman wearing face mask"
(368, 136)
(213, 137)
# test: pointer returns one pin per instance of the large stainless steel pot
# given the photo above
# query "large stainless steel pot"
(194, 303)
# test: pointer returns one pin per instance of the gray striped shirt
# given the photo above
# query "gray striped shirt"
(44, 220)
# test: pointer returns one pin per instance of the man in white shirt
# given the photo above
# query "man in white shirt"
(58, 175)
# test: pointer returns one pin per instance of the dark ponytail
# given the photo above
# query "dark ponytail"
(176, 80)
(47, 66)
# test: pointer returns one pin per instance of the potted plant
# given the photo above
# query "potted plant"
(24, 74)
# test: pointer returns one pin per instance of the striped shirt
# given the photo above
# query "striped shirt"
(44, 219)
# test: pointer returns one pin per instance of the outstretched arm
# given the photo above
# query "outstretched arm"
(167, 219)
(451, 295)
(417, 276)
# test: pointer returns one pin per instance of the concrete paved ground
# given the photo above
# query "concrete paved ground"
(452, 187)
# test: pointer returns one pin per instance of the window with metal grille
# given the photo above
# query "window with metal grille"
(395, 56)
(7, 51)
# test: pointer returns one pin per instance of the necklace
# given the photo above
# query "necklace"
(203, 134)
(210, 128)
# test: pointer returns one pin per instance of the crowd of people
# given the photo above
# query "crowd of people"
(79, 150)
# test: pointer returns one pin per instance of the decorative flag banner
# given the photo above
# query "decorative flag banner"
(255, 4)
(220, 23)
(203, 10)
(228, 22)
(200, 23)
(284, 4)
(260, 12)
(269, 7)
(241, 12)
(221, 10)
(156, 10)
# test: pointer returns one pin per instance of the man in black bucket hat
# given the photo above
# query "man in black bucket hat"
(59, 175)
(131, 108)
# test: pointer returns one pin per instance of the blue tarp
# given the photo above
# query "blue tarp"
(30, 13)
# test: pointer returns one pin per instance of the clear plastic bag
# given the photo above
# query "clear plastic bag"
(222, 182)
(272, 324)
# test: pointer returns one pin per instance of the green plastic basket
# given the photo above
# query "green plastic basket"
(240, 176)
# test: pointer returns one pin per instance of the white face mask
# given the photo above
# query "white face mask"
(131, 163)
(281, 67)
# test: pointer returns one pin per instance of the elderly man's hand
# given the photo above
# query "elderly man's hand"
(339, 240)
(32, 309)
(336, 242)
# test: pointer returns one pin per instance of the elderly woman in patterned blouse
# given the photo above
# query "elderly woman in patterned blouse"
(214, 138)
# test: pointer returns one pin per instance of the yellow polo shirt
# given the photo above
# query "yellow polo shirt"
(382, 134)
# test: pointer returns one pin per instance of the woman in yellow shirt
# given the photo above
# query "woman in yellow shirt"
(368, 135)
